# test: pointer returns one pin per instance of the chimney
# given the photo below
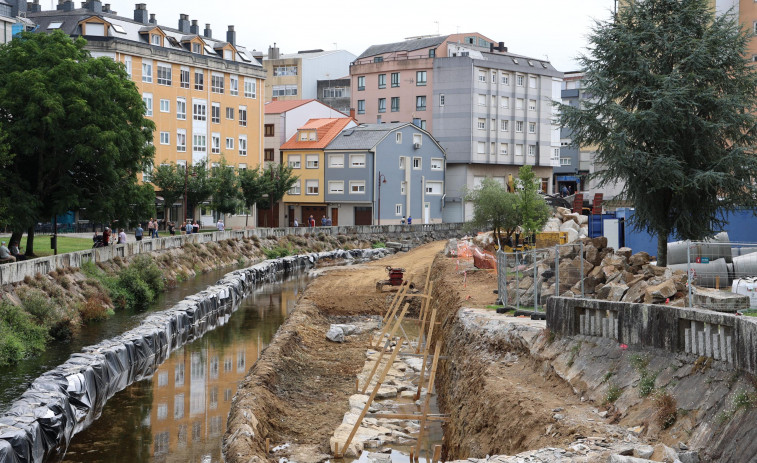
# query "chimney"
(273, 52)
(194, 28)
(65, 5)
(502, 48)
(18, 7)
(184, 23)
(33, 7)
(95, 6)
(152, 19)
(140, 13)
(106, 8)
(231, 36)
(352, 113)
(207, 32)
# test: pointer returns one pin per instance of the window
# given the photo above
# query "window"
(504, 102)
(420, 78)
(378, 59)
(165, 106)
(216, 83)
(433, 188)
(335, 92)
(494, 77)
(229, 143)
(519, 103)
(481, 100)
(395, 79)
(268, 129)
(155, 39)
(481, 147)
(147, 99)
(481, 76)
(519, 150)
(181, 140)
(229, 113)
(532, 105)
(164, 74)
(432, 52)
(336, 161)
(532, 127)
(357, 160)
(382, 81)
(127, 64)
(336, 187)
(234, 85)
(357, 187)
(420, 103)
(294, 161)
(505, 78)
(402, 162)
(311, 161)
(417, 139)
(361, 106)
(243, 145)
(184, 77)
(215, 143)
(147, 71)
(437, 164)
(215, 113)
(250, 88)
(565, 161)
(481, 124)
(382, 105)
(199, 143)
(398, 138)
(417, 163)
(398, 210)
(165, 138)
(520, 80)
(285, 70)
(532, 82)
(199, 79)
(361, 83)
(395, 104)
(504, 126)
(295, 190)
(284, 90)
(519, 126)
(197, 48)
(268, 154)
(243, 116)
(503, 148)
(403, 188)
(199, 111)
(311, 187)
(441, 99)
(532, 150)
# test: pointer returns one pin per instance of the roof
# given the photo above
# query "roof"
(405, 45)
(364, 137)
(278, 107)
(327, 130)
(310, 55)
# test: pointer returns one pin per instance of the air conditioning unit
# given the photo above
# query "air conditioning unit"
(416, 145)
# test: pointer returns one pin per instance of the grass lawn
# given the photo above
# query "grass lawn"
(65, 244)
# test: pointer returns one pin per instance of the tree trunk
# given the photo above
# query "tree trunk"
(246, 218)
(662, 249)
(16, 237)
(30, 242)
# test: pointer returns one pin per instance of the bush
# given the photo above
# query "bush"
(19, 335)
(666, 413)
(139, 294)
(378, 245)
(93, 309)
(149, 272)
(613, 393)
(276, 252)
(40, 307)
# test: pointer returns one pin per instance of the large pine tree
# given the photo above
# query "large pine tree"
(670, 107)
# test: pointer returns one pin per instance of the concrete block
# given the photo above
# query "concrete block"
(716, 347)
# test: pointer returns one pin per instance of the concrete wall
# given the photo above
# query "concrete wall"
(722, 337)
(16, 272)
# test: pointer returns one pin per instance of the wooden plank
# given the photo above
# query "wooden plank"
(406, 416)
(391, 314)
(398, 322)
(424, 312)
(375, 367)
(426, 403)
(437, 453)
(394, 301)
(425, 353)
(386, 369)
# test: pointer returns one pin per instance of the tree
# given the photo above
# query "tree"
(169, 179)
(672, 114)
(533, 211)
(199, 187)
(75, 126)
(495, 208)
(279, 180)
(254, 185)
(224, 189)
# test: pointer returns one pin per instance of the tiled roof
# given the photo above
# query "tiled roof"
(406, 45)
(364, 137)
(278, 107)
(327, 130)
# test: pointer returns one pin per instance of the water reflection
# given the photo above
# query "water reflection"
(179, 415)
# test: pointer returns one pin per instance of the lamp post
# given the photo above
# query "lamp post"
(381, 179)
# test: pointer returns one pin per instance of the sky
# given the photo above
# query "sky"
(553, 29)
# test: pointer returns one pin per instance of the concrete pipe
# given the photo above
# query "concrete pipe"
(714, 248)
(736, 251)
(708, 275)
(745, 266)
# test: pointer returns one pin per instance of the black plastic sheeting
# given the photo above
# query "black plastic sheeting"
(61, 402)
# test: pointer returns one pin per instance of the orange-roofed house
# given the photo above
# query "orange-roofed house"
(304, 152)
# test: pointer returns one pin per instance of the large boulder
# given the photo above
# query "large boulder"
(583, 219)
(599, 242)
(636, 292)
(639, 260)
(451, 249)
(570, 225)
(335, 334)
(625, 252)
(572, 216)
(612, 292)
(591, 253)
(659, 293)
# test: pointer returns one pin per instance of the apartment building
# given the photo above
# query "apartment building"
(295, 76)
(204, 94)
(491, 110)
(335, 93)
(6, 21)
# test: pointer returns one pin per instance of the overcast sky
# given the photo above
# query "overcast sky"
(553, 28)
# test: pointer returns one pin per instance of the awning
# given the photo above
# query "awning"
(568, 178)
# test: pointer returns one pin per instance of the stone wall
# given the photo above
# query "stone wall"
(16, 272)
(722, 337)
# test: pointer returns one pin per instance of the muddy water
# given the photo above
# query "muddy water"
(179, 415)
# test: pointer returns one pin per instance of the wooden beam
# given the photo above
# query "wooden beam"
(386, 369)
(385, 322)
(396, 303)
(424, 312)
(406, 416)
(398, 322)
(437, 453)
(425, 353)
(426, 403)
(375, 367)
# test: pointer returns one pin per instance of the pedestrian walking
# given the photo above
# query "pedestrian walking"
(121, 236)
(220, 225)
(311, 222)
(195, 227)
(296, 224)
(409, 219)
(139, 232)
(150, 226)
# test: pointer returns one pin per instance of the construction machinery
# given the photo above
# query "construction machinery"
(396, 278)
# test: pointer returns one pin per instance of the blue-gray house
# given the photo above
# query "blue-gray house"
(380, 173)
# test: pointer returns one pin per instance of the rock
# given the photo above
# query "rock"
(570, 225)
(625, 252)
(335, 334)
(688, 456)
(373, 457)
(639, 259)
(526, 283)
(414, 363)
(451, 249)
(636, 292)
(583, 219)
(558, 416)
(562, 211)
(599, 242)
(348, 330)
(659, 293)
(358, 400)
(591, 254)
(386, 392)
(644, 451)
(626, 459)
(614, 260)
(612, 292)
(682, 446)
(573, 235)
(407, 394)
(572, 216)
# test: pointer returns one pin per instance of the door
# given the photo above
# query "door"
(363, 215)
(268, 217)
(426, 212)
(316, 211)
(335, 216)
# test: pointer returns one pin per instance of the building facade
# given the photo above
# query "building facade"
(204, 94)
(335, 93)
(295, 76)
(6, 22)
(378, 174)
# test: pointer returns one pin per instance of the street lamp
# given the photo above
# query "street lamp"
(381, 179)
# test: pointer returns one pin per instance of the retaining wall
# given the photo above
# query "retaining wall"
(16, 272)
(67, 399)
(720, 336)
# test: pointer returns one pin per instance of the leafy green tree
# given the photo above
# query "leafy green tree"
(169, 179)
(199, 186)
(495, 208)
(279, 179)
(254, 185)
(224, 189)
(75, 126)
(533, 211)
(672, 115)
